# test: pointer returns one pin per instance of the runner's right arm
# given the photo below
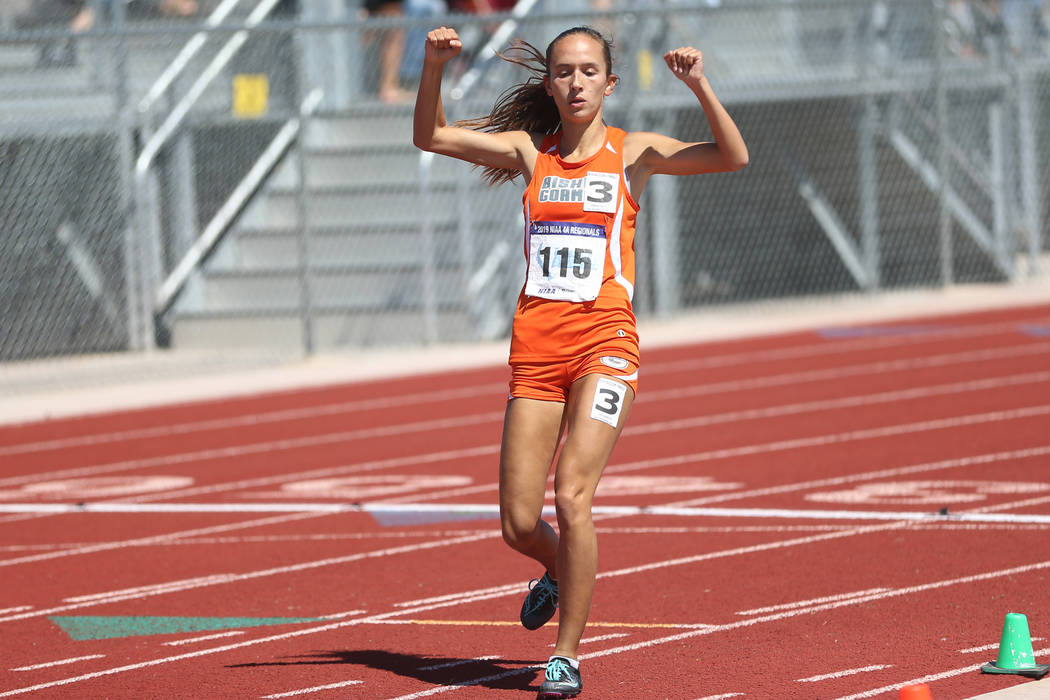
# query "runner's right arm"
(430, 132)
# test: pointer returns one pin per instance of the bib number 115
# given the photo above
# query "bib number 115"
(581, 261)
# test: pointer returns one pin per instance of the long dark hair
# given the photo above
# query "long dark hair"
(527, 106)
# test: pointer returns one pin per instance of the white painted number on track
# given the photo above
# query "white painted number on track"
(612, 485)
(96, 487)
(634, 485)
(357, 488)
(926, 492)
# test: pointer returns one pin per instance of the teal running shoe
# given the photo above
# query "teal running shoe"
(540, 604)
(560, 681)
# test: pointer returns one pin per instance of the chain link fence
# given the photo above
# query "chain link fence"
(241, 173)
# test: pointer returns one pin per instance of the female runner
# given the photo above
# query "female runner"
(574, 346)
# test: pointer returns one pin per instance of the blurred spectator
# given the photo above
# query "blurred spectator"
(963, 29)
(391, 47)
(1022, 21)
(81, 15)
(415, 38)
(482, 7)
(178, 8)
(77, 15)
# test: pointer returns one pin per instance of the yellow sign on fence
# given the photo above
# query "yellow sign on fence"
(251, 95)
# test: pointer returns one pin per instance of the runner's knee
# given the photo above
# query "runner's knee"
(519, 528)
(572, 500)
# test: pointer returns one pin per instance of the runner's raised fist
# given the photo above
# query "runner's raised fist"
(442, 44)
(686, 63)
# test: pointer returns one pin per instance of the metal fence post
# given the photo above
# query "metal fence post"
(667, 283)
(868, 185)
(1031, 186)
(943, 163)
(306, 304)
(141, 333)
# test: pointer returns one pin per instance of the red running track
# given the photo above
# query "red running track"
(768, 528)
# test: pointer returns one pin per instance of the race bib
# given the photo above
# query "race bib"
(566, 260)
(601, 192)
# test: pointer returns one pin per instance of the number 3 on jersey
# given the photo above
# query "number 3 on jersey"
(601, 192)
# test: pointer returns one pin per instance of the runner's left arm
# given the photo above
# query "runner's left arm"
(660, 154)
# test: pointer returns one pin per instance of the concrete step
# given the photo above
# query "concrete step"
(361, 250)
(31, 80)
(334, 207)
(39, 114)
(17, 57)
(364, 165)
(391, 125)
(87, 89)
(331, 288)
(331, 330)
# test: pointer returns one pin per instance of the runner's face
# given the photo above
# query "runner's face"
(578, 78)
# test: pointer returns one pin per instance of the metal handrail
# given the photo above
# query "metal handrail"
(182, 60)
(145, 205)
(488, 52)
(178, 114)
(220, 223)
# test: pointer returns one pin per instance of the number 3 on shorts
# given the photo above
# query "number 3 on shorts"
(608, 401)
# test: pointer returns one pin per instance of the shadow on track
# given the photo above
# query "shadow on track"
(485, 673)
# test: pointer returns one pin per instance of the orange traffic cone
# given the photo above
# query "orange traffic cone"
(919, 691)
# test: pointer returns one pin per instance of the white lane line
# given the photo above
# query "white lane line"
(492, 509)
(267, 446)
(844, 673)
(151, 590)
(844, 402)
(341, 615)
(925, 679)
(62, 662)
(252, 419)
(955, 463)
(17, 608)
(452, 597)
(197, 640)
(495, 416)
(813, 601)
(159, 539)
(837, 347)
(723, 696)
(1027, 503)
(990, 647)
(867, 434)
(599, 638)
(461, 662)
(191, 584)
(315, 689)
(985, 647)
(836, 373)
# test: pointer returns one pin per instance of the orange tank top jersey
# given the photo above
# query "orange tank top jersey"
(579, 248)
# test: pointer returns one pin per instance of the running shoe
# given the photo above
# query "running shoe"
(560, 681)
(540, 604)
